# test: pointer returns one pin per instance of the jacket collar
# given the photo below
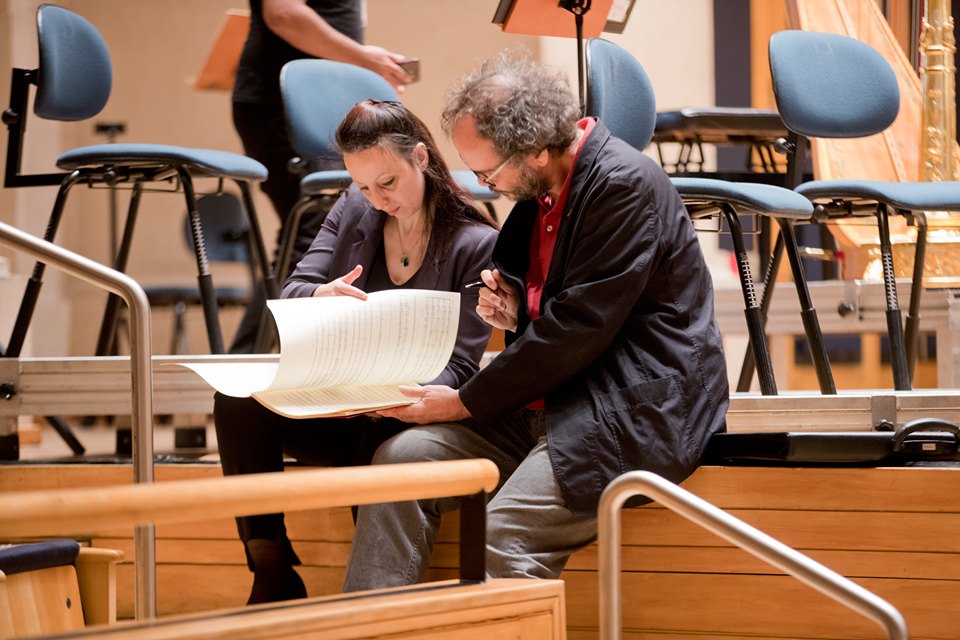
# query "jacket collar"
(512, 252)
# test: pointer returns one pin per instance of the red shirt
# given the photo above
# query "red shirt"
(544, 239)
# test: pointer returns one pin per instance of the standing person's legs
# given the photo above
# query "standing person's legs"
(263, 132)
(393, 541)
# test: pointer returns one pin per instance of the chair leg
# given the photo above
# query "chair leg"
(267, 270)
(916, 291)
(111, 314)
(289, 237)
(29, 303)
(758, 340)
(178, 341)
(208, 298)
(257, 247)
(898, 353)
(808, 314)
(32, 291)
(769, 276)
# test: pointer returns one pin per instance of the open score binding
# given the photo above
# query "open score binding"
(340, 356)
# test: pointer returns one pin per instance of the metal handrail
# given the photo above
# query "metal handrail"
(141, 371)
(733, 530)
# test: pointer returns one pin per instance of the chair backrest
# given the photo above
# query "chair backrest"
(39, 589)
(75, 73)
(832, 86)
(619, 93)
(224, 228)
(318, 94)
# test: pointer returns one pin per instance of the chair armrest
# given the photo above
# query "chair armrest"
(97, 577)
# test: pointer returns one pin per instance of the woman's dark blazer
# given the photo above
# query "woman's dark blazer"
(352, 234)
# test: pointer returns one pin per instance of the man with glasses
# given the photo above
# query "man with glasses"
(613, 359)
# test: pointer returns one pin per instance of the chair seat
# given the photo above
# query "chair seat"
(722, 125)
(468, 180)
(909, 196)
(764, 199)
(317, 182)
(170, 296)
(205, 162)
(338, 180)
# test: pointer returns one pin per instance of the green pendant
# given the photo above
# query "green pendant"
(405, 262)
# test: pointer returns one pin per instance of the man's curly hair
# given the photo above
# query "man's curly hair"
(520, 105)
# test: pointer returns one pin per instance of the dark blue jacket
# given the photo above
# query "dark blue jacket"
(626, 351)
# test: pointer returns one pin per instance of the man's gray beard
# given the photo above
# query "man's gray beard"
(530, 185)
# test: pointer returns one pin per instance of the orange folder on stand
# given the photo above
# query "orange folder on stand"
(545, 18)
(220, 67)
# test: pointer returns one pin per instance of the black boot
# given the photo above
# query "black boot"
(274, 578)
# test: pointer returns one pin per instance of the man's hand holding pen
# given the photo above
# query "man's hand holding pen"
(498, 301)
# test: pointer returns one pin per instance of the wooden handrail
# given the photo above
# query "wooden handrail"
(69, 512)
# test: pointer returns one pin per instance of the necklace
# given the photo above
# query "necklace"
(404, 256)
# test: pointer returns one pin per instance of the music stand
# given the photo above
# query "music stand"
(552, 18)
(220, 67)
(618, 16)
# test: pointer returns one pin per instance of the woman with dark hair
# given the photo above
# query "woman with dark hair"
(403, 223)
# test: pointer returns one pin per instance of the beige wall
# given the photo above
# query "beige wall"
(157, 44)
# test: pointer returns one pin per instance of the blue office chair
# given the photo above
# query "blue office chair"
(73, 83)
(620, 94)
(225, 234)
(317, 95)
(831, 86)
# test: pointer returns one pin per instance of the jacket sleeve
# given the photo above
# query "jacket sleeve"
(314, 267)
(469, 256)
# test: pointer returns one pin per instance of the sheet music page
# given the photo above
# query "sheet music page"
(238, 379)
(392, 337)
(334, 349)
(335, 401)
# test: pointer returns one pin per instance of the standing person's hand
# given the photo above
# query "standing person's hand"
(498, 302)
(385, 63)
(342, 286)
(303, 28)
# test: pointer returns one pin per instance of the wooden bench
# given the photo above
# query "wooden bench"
(891, 530)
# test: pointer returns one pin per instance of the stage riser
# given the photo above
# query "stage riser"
(892, 530)
(101, 386)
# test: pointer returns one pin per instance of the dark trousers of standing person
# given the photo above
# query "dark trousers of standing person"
(263, 132)
(253, 439)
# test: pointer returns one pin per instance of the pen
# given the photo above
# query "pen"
(474, 285)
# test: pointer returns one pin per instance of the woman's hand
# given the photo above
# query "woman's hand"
(342, 286)
(498, 301)
(435, 403)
